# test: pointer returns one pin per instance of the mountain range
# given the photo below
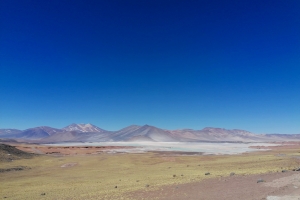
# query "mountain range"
(135, 133)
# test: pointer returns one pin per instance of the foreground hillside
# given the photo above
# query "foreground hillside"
(133, 176)
(10, 153)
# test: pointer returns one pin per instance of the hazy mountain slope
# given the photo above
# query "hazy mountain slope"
(282, 137)
(217, 134)
(68, 136)
(140, 138)
(37, 132)
(148, 133)
(77, 133)
(9, 131)
(220, 134)
(128, 129)
(110, 136)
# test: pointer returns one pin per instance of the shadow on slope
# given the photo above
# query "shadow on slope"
(9, 153)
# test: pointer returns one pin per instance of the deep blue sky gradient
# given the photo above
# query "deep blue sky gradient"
(172, 64)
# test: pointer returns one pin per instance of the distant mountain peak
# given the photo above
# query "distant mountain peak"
(83, 128)
(148, 126)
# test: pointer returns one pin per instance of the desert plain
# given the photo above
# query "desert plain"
(116, 172)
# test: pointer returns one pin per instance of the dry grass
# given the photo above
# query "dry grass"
(95, 176)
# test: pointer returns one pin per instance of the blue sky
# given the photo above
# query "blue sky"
(172, 64)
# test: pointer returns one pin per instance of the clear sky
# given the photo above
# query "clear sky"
(168, 63)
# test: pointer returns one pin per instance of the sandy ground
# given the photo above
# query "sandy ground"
(277, 186)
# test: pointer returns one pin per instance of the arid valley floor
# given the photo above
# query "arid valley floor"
(92, 172)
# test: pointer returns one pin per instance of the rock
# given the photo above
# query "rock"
(232, 174)
(116, 186)
(284, 171)
(174, 175)
(147, 185)
(43, 194)
(207, 173)
(260, 181)
(296, 169)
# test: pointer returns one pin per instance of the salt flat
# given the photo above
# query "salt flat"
(199, 147)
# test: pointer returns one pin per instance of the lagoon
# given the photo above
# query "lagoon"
(197, 147)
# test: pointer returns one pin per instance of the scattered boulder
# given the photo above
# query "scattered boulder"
(296, 169)
(69, 165)
(284, 171)
(174, 175)
(19, 168)
(43, 194)
(147, 185)
(260, 181)
(232, 174)
(207, 173)
(116, 186)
